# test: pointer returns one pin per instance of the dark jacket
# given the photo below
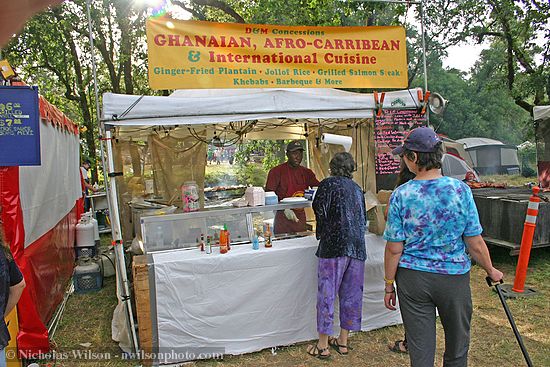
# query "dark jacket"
(9, 276)
(340, 212)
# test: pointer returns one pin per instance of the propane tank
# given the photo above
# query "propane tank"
(85, 243)
(107, 263)
(85, 232)
(87, 276)
(96, 229)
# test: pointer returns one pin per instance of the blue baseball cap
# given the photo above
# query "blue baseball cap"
(422, 139)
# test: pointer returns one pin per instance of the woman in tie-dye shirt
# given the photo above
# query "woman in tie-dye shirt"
(431, 221)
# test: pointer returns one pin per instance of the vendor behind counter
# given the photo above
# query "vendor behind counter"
(290, 179)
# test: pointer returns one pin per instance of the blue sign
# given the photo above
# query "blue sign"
(19, 126)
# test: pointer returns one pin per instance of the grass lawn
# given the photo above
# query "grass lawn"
(223, 168)
(509, 180)
(87, 319)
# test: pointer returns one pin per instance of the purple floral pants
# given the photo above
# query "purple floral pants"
(342, 276)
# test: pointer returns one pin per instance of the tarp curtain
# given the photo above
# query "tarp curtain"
(165, 160)
(362, 149)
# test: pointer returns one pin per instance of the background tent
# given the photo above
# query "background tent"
(455, 148)
(453, 166)
(541, 116)
(491, 156)
(39, 214)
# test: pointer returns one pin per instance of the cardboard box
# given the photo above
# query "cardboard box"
(384, 196)
(375, 216)
(370, 200)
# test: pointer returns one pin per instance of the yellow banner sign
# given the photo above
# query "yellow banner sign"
(195, 54)
(6, 70)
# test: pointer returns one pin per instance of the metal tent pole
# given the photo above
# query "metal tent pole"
(421, 4)
(123, 291)
(100, 126)
(424, 57)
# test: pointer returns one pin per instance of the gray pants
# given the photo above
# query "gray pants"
(419, 294)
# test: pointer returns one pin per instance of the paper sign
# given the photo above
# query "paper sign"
(19, 126)
(389, 132)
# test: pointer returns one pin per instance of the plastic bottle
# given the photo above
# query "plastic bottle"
(255, 243)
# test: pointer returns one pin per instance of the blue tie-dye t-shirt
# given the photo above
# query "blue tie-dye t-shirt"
(430, 217)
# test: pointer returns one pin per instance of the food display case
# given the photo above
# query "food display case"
(183, 230)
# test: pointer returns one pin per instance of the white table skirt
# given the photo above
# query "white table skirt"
(247, 300)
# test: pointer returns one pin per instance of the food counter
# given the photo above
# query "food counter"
(243, 301)
(183, 230)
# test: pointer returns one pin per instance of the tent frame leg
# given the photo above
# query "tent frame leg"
(123, 288)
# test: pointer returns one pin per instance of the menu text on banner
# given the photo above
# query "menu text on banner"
(197, 54)
(389, 132)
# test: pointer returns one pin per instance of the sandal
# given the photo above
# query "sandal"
(400, 346)
(315, 351)
(333, 342)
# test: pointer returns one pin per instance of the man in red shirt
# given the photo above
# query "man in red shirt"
(287, 180)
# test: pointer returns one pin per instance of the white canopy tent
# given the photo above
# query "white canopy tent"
(200, 106)
(194, 116)
(129, 115)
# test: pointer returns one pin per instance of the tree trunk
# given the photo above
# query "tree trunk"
(83, 103)
(125, 58)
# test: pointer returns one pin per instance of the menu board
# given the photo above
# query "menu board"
(390, 130)
(19, 126)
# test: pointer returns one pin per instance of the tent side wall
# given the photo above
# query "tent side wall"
(494, 159)
(40, 206)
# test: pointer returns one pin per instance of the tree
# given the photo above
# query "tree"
(54, 51)
(49, 53)
(313, 13)
(518, 29)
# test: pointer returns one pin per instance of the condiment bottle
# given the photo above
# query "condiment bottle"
(223, 241)
(201, 243)
(267, 236)
(255, 243)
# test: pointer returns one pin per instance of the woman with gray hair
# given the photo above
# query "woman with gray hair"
(340, 212)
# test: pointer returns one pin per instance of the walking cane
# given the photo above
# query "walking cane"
(511, 319)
